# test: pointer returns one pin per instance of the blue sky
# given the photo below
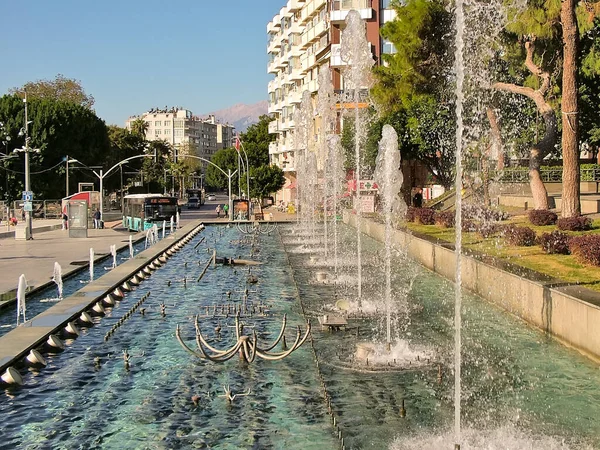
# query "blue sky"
(134, 55)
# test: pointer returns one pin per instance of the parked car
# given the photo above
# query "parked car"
(193, 203)
(211, 197)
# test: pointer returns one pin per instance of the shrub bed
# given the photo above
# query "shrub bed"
(541, 217)
(586, 248)
(520, 236)
(579, 223)
(556, 242)
(424, 216)
(445, 219)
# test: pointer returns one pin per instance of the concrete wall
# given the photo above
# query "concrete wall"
(571, 320)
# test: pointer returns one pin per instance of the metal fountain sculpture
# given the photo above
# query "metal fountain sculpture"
(246, 346)
(256, 227)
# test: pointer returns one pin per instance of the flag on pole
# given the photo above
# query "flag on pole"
(237, 142)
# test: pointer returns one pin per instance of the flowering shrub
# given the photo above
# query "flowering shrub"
(541, 217)
(586, 248)
(487, 229)
(411, 214)
(426, 216)
(578, 223)
(556, 242)
(520, 236)
(468, 225)
(445, 219)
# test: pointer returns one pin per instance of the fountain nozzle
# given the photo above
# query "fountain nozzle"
(402, 410)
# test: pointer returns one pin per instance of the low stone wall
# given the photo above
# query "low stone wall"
(572, 319)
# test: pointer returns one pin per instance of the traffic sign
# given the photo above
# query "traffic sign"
(28, 206)
(27, 196)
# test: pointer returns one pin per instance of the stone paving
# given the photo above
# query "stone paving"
(35, 258)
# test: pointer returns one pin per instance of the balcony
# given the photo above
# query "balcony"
(272, 67)
(340, 9)
(273, 129)
(313, 86)
(274, 45)
(313, 33)
(308, 63)
(272, 86)
(294, 97)
(336, 56)
(295, 5)
(389, 15)
(272, 147)
(311, 8)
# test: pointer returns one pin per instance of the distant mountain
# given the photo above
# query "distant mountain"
(241, 115)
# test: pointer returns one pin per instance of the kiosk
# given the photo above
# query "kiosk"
(77, 210)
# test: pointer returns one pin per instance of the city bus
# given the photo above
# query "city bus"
(141, 211)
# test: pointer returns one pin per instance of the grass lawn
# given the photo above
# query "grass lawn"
(564, 267)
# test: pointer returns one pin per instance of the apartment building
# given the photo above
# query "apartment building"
(302, 38)
(187, 133)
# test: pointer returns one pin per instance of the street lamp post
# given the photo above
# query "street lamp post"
(26, 150)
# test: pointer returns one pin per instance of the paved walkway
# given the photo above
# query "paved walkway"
(35, 258)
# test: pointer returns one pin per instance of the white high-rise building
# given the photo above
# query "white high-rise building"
(186, 132)
(303, 37)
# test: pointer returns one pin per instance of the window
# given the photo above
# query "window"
(167, 123)
(178, 124)
(179, 133)
(167, 131)
(157, 132)
(157, 123)
(385, 4)
(388, 47)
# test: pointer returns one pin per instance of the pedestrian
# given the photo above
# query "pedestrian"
(418, 198)
(97, 217)
(65, 220)
(225, 210)
(218, 210)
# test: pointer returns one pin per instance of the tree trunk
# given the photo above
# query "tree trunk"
(571, 205)
(545, 146)
(538, 190)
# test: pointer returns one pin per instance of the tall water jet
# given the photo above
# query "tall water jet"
(164, 228)
(57, 278)
(154, 234)
(91, 264)
(171, 230)
(460, 78)
(177, 220)
(356, 54)
(130, 247)
(388, 175)
(303, 122)
(337, 175)
(113, 252)
(21, 290)
(326, 111)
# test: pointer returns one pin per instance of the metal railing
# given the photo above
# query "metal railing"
(521, 175)
(41, 209)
